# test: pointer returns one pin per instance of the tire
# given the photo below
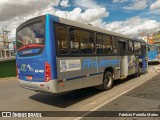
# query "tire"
(107, 81)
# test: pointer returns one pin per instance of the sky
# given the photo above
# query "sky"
(129, 17)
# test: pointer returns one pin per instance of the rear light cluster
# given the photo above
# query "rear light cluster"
(47, 72)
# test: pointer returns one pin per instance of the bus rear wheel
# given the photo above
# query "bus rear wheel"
(107, 81)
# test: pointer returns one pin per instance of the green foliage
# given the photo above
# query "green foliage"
(8, 69)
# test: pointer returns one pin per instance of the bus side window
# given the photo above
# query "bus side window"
(62, 39)
(82, 41)
(137, 48)
(130, 47)
(143, 48)
(104, 44)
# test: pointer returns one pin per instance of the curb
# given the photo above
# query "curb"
(8, 78)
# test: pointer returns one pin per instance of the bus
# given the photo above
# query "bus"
(153, 53)
(57, 55)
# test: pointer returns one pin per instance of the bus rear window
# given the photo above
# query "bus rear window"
(30, 37)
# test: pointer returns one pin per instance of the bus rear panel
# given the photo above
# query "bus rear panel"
(33, 61)
(153, 53)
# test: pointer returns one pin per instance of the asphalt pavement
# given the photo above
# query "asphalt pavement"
(15, 98)
(143, 98)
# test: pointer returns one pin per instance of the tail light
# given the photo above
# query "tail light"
(16, 71)
(47, 72)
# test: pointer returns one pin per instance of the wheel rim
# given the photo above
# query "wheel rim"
(107, 80)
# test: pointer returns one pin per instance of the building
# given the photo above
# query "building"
(148, 38)
(145, 38)
(1, 40)
(4, 48)
(156, 37)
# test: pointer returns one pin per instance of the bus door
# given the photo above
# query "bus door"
(123, 58)
(144, 55)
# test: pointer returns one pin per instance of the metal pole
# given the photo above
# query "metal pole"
(5, 38)
(63, 7)
(66, 13)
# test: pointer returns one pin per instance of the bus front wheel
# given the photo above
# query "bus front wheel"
(107, 81)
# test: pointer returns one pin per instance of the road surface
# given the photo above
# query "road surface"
(15, 98)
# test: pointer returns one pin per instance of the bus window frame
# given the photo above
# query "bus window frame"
(56, 42)
(82, 29)
(71, 55)
(121, 39)
(112, 42)
(140, 48)
(129, 40)
(143, 49)
(28, 23)
(115, 40)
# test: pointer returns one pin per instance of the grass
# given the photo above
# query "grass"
(8, 69)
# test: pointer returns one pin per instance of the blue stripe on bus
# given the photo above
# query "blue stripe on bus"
(84, 76)
(50, 43)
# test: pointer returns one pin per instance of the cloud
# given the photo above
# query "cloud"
(88, 4)
(12, 8)
(64, 3)
(154, 12)
(15, 12)
(136, 5)
(134, 26)
(93, 13)
(119, 1)
(155, 5)
(89, 15)
(77, 14)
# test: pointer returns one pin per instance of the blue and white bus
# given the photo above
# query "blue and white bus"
(57, 55)
(153, 53)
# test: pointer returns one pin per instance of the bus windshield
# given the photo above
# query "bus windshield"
(152, 48)
(31, 36)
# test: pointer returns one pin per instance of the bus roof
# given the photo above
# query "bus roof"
(80, 25)
(90, 27)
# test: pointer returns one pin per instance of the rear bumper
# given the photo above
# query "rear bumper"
(155, 60)
(50, 86)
